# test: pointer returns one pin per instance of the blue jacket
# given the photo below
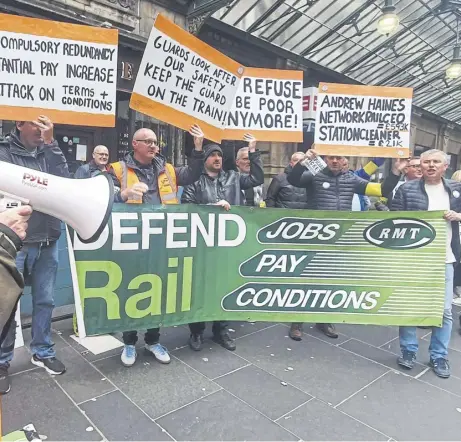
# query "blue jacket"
(412, 196)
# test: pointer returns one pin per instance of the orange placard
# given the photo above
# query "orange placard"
(183, 81)
(67, 72)
(269, 105)
(369, 121)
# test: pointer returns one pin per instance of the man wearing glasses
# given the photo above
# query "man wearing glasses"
(97, 165)
(411, 172)
(144, 177)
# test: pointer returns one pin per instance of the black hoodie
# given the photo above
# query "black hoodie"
(48, 159)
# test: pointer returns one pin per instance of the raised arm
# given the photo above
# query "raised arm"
(298, 175)
(190, 174)
(56, 162)
(370, 168)
(363, 187)
(256, 175)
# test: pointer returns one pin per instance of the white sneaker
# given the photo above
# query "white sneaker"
(160, 353)
(129, 355)
(457, 301)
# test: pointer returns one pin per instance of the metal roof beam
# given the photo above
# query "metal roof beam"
(293, 19)
(385, 43)
(336, 28)
(255, 26)
(417, 60)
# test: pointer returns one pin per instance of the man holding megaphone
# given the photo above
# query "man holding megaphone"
(31, 144)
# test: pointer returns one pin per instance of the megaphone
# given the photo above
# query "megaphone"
(85, 204)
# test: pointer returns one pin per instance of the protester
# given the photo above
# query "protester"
(282, 194)
(31, 144)
(254, 195)
(97, 165)
(225, 189)
(333, 189)
(144, 177)
(433, 192)
(411, 172)
(13, 226)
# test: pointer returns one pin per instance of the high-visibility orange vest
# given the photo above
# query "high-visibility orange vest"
(167, 186)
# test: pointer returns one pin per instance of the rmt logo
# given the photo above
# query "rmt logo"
(34, 180)
(401, 233)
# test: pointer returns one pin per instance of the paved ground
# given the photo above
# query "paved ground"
(271, 388)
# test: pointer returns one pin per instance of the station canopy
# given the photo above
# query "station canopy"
(342, 35)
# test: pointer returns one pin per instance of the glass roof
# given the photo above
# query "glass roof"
(341, 35)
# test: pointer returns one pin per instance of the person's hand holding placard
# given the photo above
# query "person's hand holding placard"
(313, 162)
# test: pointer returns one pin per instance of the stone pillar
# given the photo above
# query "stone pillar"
(442, 138)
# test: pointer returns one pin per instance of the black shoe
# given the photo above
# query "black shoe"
(296, 331)
(224, 340)
(407, 360)
(5, 385)
(440, 367)
(51, 365)
(424, 327)
(196, 341)
(328, 330)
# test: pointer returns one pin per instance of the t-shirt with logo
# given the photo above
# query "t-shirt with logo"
(439, 199)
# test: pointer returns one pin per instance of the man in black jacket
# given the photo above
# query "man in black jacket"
(224, 189)
(32, 145)
(333, 188)
(433, 192)
(96, 166)
(282, 194)
(253, 196)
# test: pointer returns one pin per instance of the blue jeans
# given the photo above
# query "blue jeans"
(440, 337)
(39, 265)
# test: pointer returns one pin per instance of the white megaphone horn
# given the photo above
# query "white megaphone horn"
(85, 204)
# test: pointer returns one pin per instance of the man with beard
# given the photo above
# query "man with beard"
(218, 187)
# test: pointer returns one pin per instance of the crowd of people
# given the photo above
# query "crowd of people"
(145, 177)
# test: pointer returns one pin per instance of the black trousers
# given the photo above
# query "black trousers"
(151, 337)
(219, 327)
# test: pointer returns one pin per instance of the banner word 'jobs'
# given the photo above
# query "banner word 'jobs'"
(268, 104)
(363, 120)
(183, 81)
(67, 72)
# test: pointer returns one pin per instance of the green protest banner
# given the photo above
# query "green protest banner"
(180, 264)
